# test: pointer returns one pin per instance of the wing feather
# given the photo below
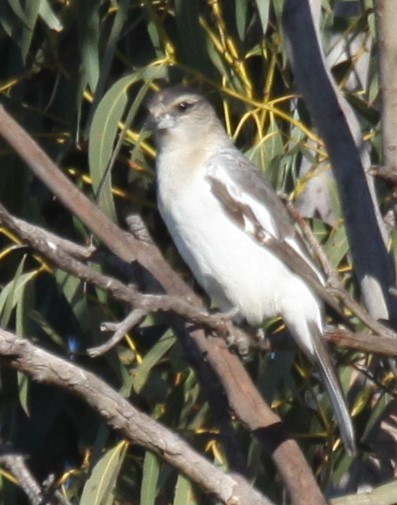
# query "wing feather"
(252, 203)
(245, 183)
(334, 388)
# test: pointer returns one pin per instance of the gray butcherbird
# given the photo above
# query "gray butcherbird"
(234, 233)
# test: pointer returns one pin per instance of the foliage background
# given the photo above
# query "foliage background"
(76, 73)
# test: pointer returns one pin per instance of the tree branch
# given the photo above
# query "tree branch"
(137, 427)
(342, 136)
(386, 17)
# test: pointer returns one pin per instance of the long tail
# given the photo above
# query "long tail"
(326, 368)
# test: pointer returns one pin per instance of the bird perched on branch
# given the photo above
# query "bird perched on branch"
(233, 231)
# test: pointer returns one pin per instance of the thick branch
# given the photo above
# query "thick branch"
(342, 137)
(386, 17)
(381, 346)
(122, 416)
(362, 342)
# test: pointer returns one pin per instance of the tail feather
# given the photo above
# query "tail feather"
(326, 368)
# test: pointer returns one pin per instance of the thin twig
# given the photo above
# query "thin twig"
(16, 465)
(318, 251)
(335, 285)
(77, 251)
(120, 329)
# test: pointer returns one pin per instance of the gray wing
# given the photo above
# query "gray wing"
(254, 205)
(246, 183)
(249, 198)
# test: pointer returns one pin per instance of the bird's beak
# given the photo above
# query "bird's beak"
(159, 119)
(165, 122)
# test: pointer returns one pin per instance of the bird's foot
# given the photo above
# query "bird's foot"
(239, 340)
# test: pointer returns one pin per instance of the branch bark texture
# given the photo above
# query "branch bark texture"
(338, 127)
(136, 426)
(386, 16)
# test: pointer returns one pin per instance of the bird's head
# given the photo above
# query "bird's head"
(180, 114)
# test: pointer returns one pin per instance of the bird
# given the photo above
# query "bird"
(234, 233)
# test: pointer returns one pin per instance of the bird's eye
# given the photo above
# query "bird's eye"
(183, 106)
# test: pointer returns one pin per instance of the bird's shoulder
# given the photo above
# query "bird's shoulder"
(231, 174)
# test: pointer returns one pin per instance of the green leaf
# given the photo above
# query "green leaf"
(263, 11)
(150, 474)
(98, 490)
(142, 371)
(19, 11)
(12, 293)
(32, 14)
(47, 328)
(184, 494)
(108, 55)
(49, 17)
(377, 410)
(72, 288)
(23, 387)
(337, 245)
(192, 47)
(104, 130)
(241, 17)
(103, 133)
(89, 27)
(270, 147)
(154, 32)
(24, 310)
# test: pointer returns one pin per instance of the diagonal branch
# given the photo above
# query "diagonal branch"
(123, 417)
(342, 136)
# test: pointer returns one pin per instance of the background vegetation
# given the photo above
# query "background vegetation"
(75, 74)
